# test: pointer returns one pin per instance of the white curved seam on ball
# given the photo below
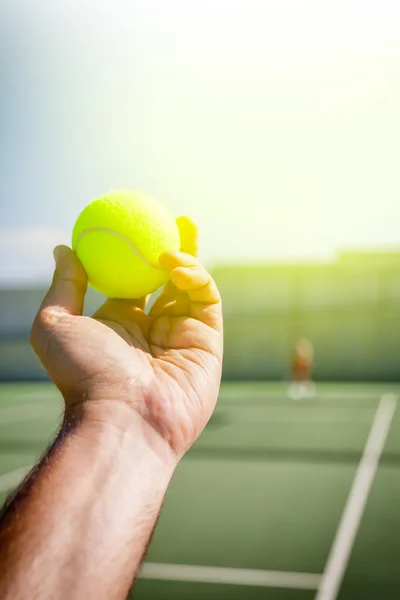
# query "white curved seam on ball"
(121, 237)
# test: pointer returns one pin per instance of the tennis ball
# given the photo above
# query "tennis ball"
(119, 237)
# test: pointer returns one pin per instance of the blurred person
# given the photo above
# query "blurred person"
(138, 389)
(301, 366)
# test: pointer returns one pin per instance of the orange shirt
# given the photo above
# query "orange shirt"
(301, 365)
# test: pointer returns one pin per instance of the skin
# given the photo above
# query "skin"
(138, 390)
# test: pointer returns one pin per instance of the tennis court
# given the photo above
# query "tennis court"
(278, 499)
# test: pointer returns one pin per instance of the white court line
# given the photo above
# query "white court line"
(339, 555)
(13, 478)
(202, 574)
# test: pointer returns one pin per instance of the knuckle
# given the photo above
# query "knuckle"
(45, 322)
(47, 318)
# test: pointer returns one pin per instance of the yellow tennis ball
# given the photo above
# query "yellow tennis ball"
(119, 237)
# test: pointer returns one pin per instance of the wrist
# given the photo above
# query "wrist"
(116, 426)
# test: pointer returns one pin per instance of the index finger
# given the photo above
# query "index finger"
(189, 276)
(167, 300)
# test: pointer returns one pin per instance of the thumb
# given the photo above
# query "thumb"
(67, 291)
(65, 297)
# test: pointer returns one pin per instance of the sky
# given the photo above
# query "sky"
(274, 124)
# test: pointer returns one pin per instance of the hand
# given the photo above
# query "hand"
(165, 365)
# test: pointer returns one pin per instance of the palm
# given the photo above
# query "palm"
(165, 364)
(166, 356)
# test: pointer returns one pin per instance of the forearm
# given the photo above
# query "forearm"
(80, 529)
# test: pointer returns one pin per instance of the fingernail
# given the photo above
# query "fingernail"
(59, 254)
(187, 222)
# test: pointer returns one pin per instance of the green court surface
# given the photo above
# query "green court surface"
(278, 499)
